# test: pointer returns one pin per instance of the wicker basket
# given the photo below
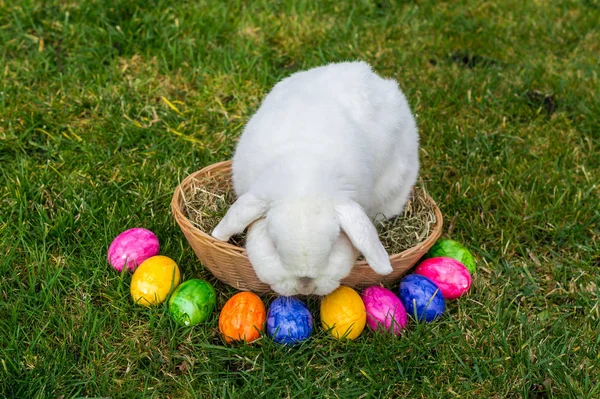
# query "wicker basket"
(230, 264)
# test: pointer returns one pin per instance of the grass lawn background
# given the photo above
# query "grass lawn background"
(106, 105)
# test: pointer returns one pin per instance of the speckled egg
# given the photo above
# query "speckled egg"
(289, 321)
(455, 250)
(385, 311)
(132, 247)
(154, 280)
(450, 276)
(343, 311)
(192, 302)
(242, 318)
(421, 297)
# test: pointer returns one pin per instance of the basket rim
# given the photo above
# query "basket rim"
(182, 220)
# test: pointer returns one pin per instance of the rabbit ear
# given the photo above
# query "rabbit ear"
(360, 230)
(262, 253)
(244, 211)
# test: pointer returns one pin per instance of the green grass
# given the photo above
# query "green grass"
(506, 95)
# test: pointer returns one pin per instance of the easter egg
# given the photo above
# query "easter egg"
(154, 280)
(450, 276)
(192, 302)
(343, 312)
(421, 297)
(289, 321)
(384, 310)
(130, 248)
(452, 249)
(242, 318)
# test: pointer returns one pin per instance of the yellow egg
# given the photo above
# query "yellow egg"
(154, 280)
(343, 311)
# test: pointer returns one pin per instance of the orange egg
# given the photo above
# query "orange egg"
(242, 318)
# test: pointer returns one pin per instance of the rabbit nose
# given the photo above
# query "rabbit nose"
(305, 285)
(305, 281)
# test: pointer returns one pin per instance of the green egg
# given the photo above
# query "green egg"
(452, 249)
(192, 302)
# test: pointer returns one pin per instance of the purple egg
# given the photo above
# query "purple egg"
(451, 276)
(421, 297)
(132, 247)
(384, 310)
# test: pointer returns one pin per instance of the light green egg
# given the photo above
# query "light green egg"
(192, 302)
(455, 250)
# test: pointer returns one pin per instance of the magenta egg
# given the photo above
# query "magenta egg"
(130, 248)
(450, 276)
(384, 310)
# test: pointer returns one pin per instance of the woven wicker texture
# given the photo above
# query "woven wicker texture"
(230, 264)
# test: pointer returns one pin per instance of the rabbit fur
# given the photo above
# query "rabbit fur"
(329, 149)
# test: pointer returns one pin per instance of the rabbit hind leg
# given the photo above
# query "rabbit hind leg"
(395, 189)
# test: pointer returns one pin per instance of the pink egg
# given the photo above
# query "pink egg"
(451, 276)
(384, 309)
(131, 248)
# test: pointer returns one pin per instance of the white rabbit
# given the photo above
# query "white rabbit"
(328, 150)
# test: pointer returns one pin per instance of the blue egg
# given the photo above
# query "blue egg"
(289, 321)
(420, 295)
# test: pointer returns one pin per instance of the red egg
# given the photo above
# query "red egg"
(450, 276)
(242, 318)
